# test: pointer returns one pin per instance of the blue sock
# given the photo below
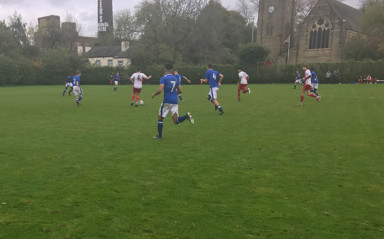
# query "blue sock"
(81, 97)
(180, 97)
(70, 91)
(181, 119)
(219, 107)
(64, 92)
(160, 128)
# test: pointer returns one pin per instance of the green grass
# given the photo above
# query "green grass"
(267, 168)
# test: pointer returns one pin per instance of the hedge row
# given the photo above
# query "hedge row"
(25, 72)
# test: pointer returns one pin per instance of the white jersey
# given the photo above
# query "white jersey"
(138, 80)
(308, 77)
(243, 78)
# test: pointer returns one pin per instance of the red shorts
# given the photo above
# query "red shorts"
(307, 87)
(135, 90)
(242, 87)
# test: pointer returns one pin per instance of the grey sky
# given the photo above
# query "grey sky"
(84, 11)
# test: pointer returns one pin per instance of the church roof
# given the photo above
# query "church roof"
(352, 15)
(107, 51)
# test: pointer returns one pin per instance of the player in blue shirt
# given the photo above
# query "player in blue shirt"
(78, 92)
(68, 83)
(315, 82)
(116, 80)
(171, 87)
(298, 79)
(180, 77)
(212, 76)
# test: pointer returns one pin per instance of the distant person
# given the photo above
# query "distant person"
(68, 83)
(171, 87)
(77, 91)
(212, 76)
(116, 79)
(137, 80)
(314, 82)
(297, 79)
(328, 76)
(180, 77)
(307, 86)
(242, 83)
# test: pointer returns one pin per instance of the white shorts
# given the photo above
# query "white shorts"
(166, 108)
(116, 83)
(77, 91)
(68, 84)
(298, 82)
(315, 86)
(213, 93)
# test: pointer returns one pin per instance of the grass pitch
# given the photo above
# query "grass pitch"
(267, 168)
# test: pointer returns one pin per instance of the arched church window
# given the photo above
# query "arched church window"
(319, 34)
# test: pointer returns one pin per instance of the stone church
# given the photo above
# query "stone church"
(320, 38)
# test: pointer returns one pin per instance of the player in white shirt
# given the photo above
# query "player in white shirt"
(137, 80)
(243, 83)
(307, 80)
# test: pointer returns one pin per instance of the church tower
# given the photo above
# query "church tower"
(274, 28)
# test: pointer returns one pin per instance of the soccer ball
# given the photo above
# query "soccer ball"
(141, 103)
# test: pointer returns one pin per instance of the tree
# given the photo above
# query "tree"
(19, 29)
(252, 55)
(125, 26)
(248, 9)
(8, 44)
(372, 24)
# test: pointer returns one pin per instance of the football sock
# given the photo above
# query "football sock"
(81, 97)
(133, 97)
(219, 107)
(313, 95)
(70, 91)
(64, 92)
(180, 97)
(160, 128)
(302, 99)
(294, 86)
(315, 91)
(115, 89)
(181, 119)
(137, 99)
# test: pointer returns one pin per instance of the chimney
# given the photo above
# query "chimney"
(124, 46)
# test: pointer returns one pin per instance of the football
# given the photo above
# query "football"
(141, 103)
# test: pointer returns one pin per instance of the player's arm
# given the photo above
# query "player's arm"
(189, 82)
(179, 89)
(221, 76)
(148, 77)
(159, 90)
(131, 80)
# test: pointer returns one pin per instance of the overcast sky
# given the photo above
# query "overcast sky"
(85, 11)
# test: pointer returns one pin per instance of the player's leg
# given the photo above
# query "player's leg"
(70, 90)
(181, 98)
(163, 111)
(137, 98)
(302, 96)
(116, 84)
(245, 90)
(311, 94)
(133, 96)
(65, 89)
(215, 102)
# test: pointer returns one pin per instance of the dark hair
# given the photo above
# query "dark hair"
(210, 66)
(138, 69)
(240, 68)
(168, 66)
(78, 72)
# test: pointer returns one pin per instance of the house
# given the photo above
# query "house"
(113, 56)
